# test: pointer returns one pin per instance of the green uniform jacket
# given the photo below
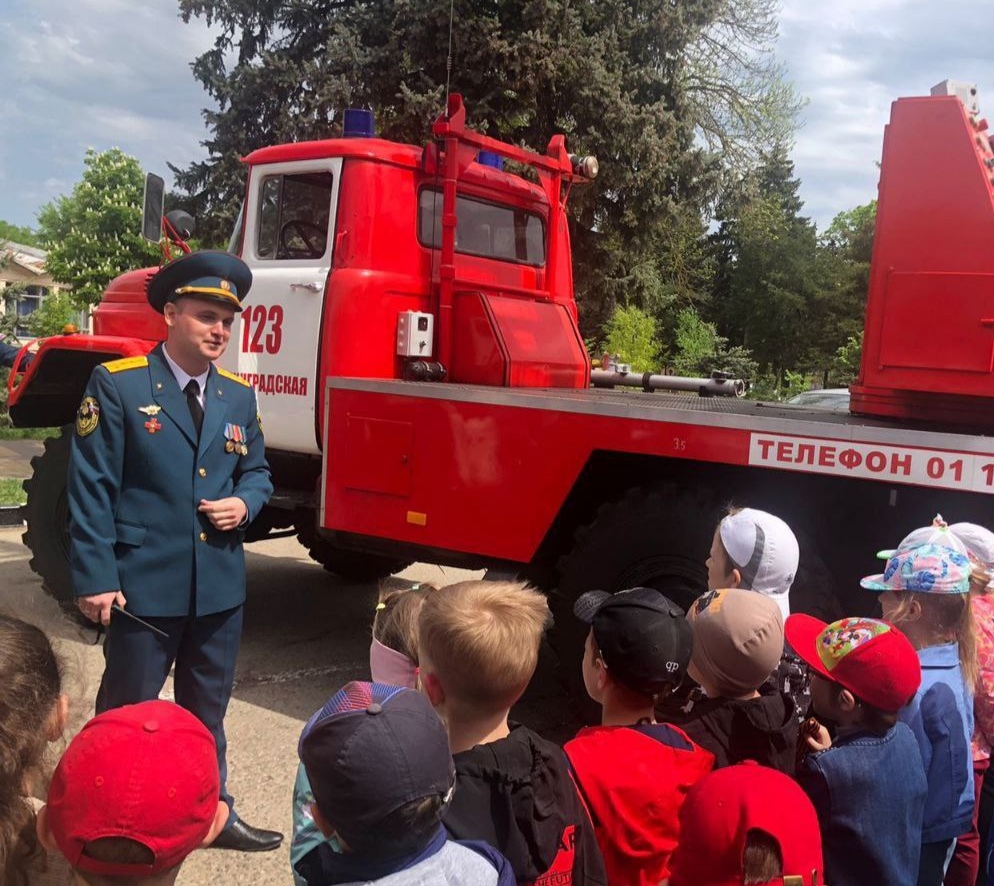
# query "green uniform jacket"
(137, 475)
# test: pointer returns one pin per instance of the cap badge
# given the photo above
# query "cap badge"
(225, 285)
(845, 636)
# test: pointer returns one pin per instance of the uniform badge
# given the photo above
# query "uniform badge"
(235, 439)
(153, 424)
(87, 416)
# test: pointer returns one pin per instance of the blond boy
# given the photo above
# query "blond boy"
(478, 649)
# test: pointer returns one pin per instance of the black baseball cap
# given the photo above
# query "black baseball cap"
(644, 638)
(371, 750)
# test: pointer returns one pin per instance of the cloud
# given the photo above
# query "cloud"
(850, 59)
(94, 73)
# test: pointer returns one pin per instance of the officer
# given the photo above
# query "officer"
(167, 468)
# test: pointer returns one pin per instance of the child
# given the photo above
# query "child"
(632, 772)
(924, 593)
(382, 775)
(478, 646)
(134, 794)
(867, 785)
(393, 660)
(757, 551)
(738, 640)
(33, 713)
(979, 542)
(748, 824)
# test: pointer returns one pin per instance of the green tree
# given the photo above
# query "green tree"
(94, 234)
(700, 350)
(631, 336)
(618, 79)
(55, 312)
(767, 274)
(839, 307)
(17, 234)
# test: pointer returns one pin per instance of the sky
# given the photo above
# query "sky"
(80, 74)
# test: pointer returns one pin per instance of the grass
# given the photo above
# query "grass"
(27, 433)
(11, 492)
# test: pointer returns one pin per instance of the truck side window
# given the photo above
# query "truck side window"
(293, 216)
(505, 233)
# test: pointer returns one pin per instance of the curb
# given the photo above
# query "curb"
(12, 516)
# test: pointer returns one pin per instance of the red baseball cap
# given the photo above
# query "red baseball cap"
(724, 806)
(146, 772)
(869, 657)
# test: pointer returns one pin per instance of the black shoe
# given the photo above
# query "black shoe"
(244, 838)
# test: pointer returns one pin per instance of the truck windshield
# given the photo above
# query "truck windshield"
(235, 241)
(506, 233)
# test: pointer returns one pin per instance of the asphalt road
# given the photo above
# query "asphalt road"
(305, 635)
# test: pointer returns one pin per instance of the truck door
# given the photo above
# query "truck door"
(288, 240)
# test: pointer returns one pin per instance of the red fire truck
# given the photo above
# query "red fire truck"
(426, 395)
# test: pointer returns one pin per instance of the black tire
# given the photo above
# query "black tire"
(657, 537)
(47, 517)
(353, 566)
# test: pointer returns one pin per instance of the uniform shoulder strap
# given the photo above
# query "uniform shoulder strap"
(125, 363)
(232, 376)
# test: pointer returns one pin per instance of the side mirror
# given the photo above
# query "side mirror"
(181, 223)
(155, 189)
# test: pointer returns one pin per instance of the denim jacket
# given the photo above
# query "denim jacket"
(869, 793)
(941, 717)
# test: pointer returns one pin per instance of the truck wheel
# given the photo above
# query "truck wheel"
(47, 516)
(657, 537)
(350, 565)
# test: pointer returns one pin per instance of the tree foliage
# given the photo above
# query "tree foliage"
(700, 350)
(635, 84)
(94, 234)
(18, 234)
(631, 336)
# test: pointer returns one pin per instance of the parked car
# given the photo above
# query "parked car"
(836, 399)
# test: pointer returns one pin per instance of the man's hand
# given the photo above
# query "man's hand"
(225, 513)
(96, 607)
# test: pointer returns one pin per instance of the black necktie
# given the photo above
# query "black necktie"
(192, 391)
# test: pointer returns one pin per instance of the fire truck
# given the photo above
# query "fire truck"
(426, 395)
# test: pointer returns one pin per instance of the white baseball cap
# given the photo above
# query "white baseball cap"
(979, 542)
(764, 550)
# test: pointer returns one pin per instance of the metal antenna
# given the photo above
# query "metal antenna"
(448, 59)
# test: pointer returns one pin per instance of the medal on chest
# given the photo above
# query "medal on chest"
(153, 424)
(235, 439)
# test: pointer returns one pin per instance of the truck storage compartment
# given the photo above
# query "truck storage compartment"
(509, 341)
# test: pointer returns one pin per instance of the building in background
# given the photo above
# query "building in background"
(24, 282)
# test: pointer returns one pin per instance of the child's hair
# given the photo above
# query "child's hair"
(395, 624)
(403, 832)
(945, 617)
(482, 639)
(762, 860)
(116, 850)
(30, 685)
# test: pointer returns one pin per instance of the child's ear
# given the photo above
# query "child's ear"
(44, 831)
(58, 719)
(322, 823)
(914, 609)
(432, 688)
(736, 579)
(846, 701)
(221, 817)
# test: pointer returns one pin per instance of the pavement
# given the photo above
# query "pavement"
(306, 634)
(16, 455)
